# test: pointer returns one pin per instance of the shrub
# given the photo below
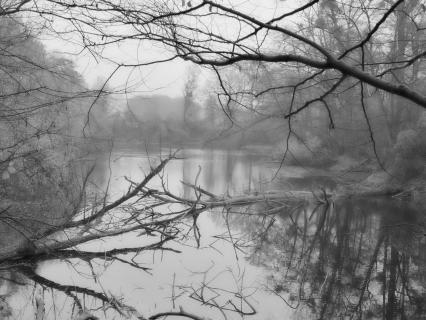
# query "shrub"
(409, 154)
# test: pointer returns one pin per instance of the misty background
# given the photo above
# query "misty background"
(216, 159)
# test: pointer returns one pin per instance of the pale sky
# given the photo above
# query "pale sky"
(166, 78)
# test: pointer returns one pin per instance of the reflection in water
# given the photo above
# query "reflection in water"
(350, 259)
(353, 259)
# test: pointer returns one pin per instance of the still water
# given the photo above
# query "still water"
(349, 259)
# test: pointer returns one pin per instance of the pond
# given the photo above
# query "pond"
(346, 259)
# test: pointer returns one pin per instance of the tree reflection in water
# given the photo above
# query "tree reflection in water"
(353, 259)
(141, 221)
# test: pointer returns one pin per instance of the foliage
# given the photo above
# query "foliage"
(409, 156)
(43, 104)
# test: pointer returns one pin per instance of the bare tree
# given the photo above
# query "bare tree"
(203, 32)
(322, 49)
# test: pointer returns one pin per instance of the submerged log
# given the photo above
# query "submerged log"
(386, 192)
(297, 197)
(289, 196)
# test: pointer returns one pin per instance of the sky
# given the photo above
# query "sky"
(167, 78)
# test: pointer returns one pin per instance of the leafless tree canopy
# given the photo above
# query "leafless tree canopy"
(371, 48)
(312, 52)
(379, 43)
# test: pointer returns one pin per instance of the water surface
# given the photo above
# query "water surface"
(349, 259)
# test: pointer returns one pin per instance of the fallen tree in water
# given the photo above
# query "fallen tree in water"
(157, 216)
(141, 203)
